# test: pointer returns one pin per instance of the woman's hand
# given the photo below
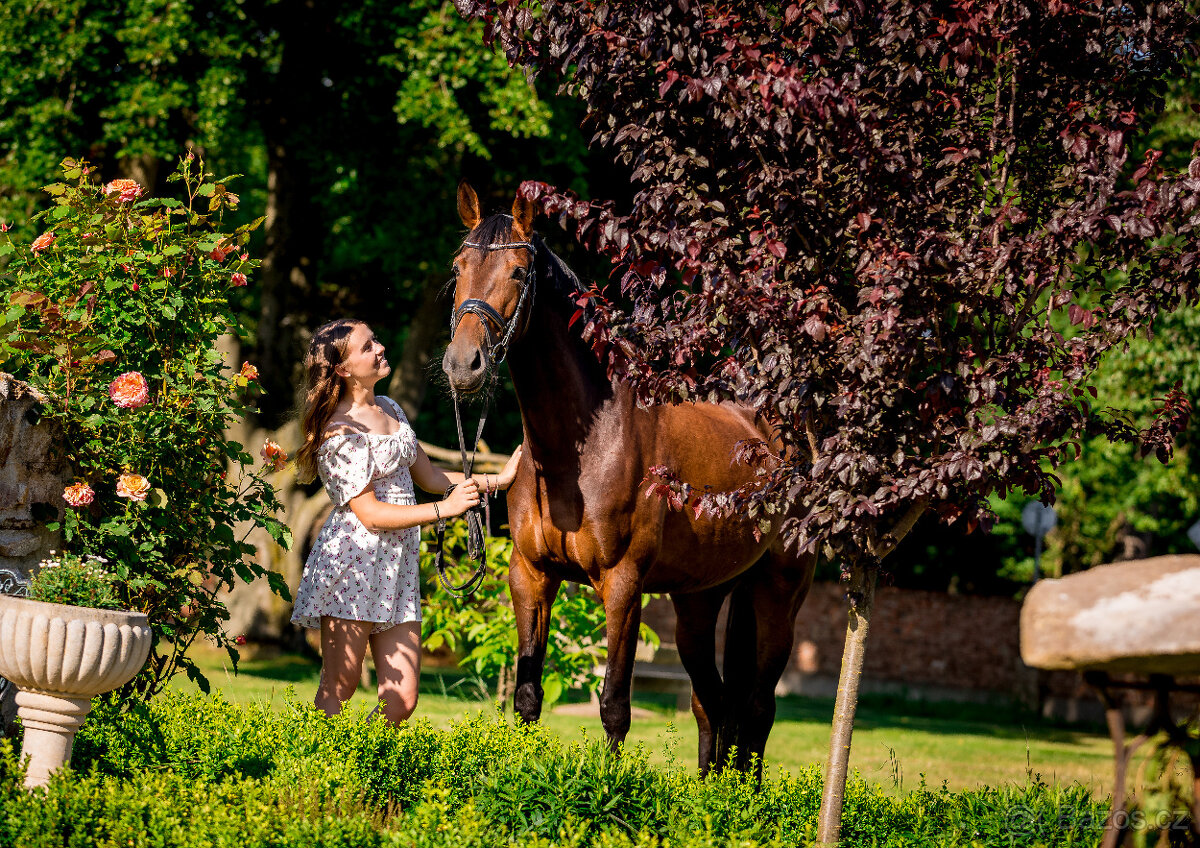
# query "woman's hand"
(464, 496)
(505, 478)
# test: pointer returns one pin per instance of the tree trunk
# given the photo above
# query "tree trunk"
(411, 377)
(143, 169)
(506, 685)
(294, 230)
(862, 602)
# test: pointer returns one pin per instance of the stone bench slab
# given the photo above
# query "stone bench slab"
(1132, 617)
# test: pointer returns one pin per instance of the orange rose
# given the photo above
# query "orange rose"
(220, 252)
(274, 456)
(78, 494)
(133, 486)
(130, 390)
(42, 242)
(249, 371)
(126, 190)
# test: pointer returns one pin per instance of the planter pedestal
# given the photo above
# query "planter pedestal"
(50, 723)
(60, 657)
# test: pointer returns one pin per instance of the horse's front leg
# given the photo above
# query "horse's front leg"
(622, 595)
(532, 592)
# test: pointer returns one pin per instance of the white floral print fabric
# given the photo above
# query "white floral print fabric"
(352, 572)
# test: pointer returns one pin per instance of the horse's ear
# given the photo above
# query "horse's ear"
(468, 206)
(522, 213)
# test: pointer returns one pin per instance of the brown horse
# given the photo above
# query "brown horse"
(578, 507)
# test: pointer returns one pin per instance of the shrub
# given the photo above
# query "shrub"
(482, 628)
(480, 782)
(80, 581)
(114, 313)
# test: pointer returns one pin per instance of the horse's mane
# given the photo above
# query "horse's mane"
(553, 274)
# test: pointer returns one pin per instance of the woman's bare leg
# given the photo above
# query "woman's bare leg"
(397, 653)
(343, 646)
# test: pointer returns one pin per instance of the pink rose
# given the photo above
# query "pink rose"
(273, 455)
(133, 486)
(130, 390)
(238, 279)
(42, 242)
(79, 494)
(126, 190)
(249, 371)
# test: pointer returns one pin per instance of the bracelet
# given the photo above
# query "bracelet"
(437, 511)
(487, 478)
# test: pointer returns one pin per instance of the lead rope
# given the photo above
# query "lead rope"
(478, 518)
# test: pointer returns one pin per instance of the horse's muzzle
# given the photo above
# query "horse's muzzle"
(465, 367)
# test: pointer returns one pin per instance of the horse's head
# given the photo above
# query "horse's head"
(493, 290)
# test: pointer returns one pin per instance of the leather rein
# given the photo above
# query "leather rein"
(479, 518)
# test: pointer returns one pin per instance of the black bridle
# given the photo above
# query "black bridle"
(496, 352)
(487, 314)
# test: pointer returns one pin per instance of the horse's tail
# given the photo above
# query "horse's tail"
(740, 665)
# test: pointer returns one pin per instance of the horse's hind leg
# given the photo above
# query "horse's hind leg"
(762, 612)
(532, 592)
(695, 637)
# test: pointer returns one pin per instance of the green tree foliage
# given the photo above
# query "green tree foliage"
(126, 83)
(352, 122)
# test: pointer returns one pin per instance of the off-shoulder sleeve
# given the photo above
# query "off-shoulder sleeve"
(346, 466)
(395, 407)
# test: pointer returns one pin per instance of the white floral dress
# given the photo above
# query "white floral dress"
(353, 572)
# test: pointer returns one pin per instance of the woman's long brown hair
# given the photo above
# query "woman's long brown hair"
(323, 389)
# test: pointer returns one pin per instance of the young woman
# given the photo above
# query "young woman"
(360, 583)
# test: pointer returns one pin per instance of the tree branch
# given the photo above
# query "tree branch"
(885, 545)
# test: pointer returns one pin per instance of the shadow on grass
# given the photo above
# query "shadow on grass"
(285, 668)
(301, 669)
(1002, 720)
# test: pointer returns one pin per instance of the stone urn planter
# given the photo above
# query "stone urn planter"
(60, 657)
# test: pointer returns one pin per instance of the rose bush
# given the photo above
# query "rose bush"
(114, 312)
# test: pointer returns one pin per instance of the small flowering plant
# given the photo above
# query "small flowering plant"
(77, 581)
(114, 312)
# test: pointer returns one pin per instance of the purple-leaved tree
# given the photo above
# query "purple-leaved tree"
(904, 230)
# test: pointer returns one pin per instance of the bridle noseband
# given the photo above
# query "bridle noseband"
(496, 351)
(487, 314)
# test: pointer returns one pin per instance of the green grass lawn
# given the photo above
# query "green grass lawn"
(895, 742)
